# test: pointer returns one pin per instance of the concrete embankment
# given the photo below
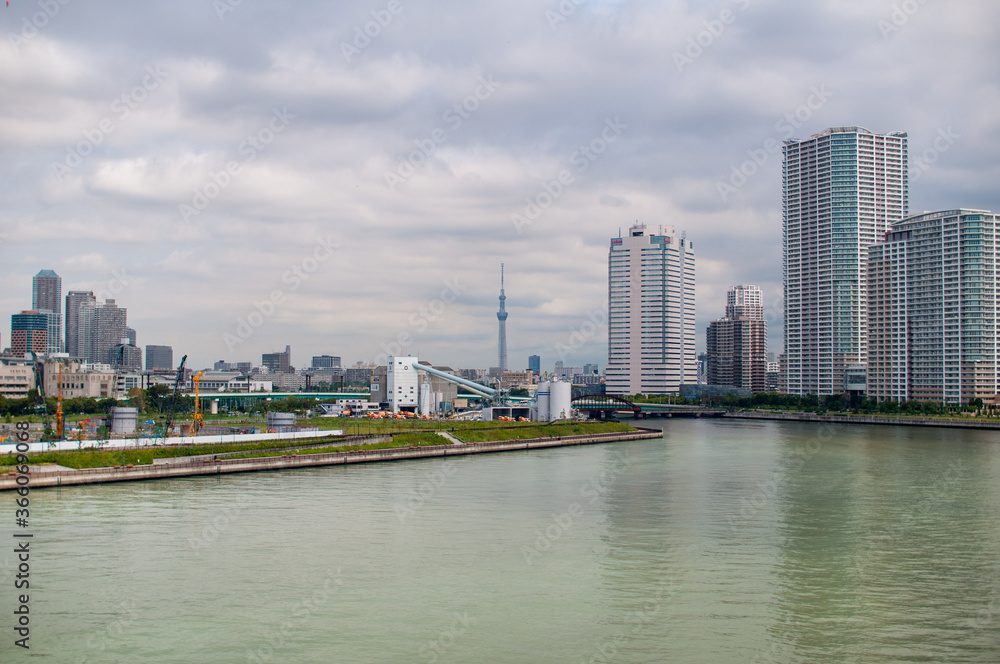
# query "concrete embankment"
(866, 419)
(222, 466)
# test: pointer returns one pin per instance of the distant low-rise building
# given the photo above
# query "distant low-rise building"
(80, 380)
(511, 379)
(325, 362)
(16, 380)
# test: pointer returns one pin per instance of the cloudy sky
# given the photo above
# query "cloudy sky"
(355, 172)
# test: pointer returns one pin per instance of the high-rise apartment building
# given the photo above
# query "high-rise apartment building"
(75, 302)
(737, 343)
(46, 298)
(28, 333)
(842, 189)
(651, 328)
(159, 357)
(102, 328)
(46, 291)
(933, 308)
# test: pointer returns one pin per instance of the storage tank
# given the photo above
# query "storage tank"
(123, 419)
(560, 401)
(281, 422)
(542, 395)
(425, 399)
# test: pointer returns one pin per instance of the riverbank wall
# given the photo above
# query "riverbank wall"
(866, 419)
(57, 478)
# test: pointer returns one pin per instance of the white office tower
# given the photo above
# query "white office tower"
(933, 309)
(842, 189)
(651, 327)
(401, 384)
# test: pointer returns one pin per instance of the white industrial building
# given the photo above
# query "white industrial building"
(402, 384)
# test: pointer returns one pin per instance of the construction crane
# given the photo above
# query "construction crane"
(39, 368)
(60, 422)
(196, 423)
(113, 391)
(173, 401)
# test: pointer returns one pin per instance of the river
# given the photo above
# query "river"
(724, 541)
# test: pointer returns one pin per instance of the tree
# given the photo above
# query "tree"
(157, 396)
(137, 398)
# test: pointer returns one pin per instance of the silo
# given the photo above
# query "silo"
(425, 399)
(542, 396)
(123, 419)
(560, 401)
(281, 422)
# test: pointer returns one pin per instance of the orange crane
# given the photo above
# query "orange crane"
(60, 423)
(196, 424)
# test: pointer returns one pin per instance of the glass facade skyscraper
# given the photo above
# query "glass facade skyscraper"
(841, 190)
(46, 298)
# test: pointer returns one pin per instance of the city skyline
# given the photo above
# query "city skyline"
(518, 141)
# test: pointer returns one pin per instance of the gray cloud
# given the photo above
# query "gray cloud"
(324, 174)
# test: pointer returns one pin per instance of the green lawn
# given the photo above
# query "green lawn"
(407, 436)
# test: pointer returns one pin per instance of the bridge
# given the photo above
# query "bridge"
(599, 406)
